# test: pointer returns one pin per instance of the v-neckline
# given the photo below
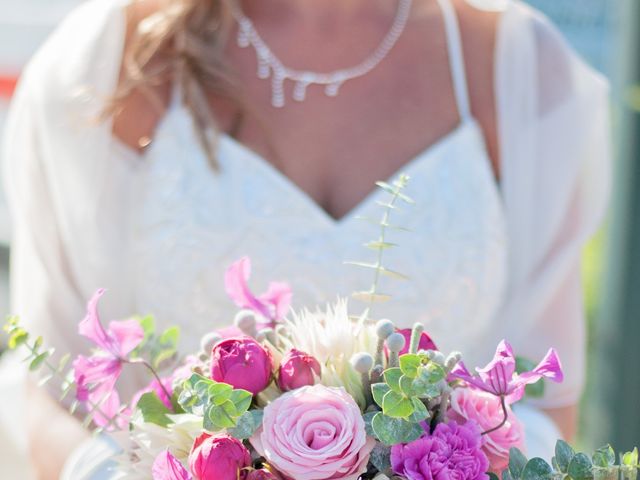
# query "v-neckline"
(227, 141)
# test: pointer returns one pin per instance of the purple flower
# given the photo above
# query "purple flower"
(272, 305)
(297, 369)
(451, 452)
(499, 377)
(96, 376)
(167, 467)
(242, 363)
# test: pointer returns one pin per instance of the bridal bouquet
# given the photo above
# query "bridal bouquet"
(308, 396)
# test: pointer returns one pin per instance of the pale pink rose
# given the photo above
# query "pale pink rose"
(485, 409)
(314, 433)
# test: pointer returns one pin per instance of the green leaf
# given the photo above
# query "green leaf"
(368, 418)
(392, 431)
(564, 455)
(380, 457)
(420, 412)
(604, 457)
(493, 476)
(406, 386)
(393, 274)
(369, 297)
(38, 361)
(219, 393)
(507, 476)
(396, 405)
(241, 399)
(63, 362)
(247, 424)
(409, 364)
(580, 467)
(630, 458)
(537, 469)
(392, 377)
(153, 410)
(517, 462)
(378, 245)
(379, 390)
(220, 417)
(162, 356)
(170, 337)
(38, 343)
(17, 338)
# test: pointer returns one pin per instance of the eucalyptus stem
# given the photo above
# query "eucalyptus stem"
(503, 404)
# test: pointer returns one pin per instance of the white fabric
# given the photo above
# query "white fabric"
(158, 231)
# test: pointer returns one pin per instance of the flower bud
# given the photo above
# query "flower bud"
(242, 363)
(297, 370)
(218, 457)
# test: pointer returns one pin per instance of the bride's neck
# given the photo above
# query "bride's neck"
(322, 8)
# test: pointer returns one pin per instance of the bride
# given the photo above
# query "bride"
(152, 143)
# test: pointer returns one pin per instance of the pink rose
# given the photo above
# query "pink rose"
(314, 433)
(242, 363)
(297, 369)
(218, 457)
(485, 409)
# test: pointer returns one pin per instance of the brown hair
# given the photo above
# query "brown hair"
(181, 43)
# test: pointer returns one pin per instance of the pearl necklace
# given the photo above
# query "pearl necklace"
(270, 66)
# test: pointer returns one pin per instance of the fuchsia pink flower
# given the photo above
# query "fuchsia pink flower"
(271, 305)
(499, 377)
(96, 376)
(167, 467)
(297, 369)
(219, 457)
(451, 451)
(242, 363)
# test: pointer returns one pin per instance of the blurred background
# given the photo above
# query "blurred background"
(607, 34)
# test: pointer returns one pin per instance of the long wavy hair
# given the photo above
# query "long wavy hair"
(182, 43)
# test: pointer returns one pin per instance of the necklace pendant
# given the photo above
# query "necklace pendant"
(300, 90)
(332, 89)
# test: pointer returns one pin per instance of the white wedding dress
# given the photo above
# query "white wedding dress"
(487, 261)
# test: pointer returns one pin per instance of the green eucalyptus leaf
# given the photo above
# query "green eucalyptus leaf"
(162, 356)
(381, 457)
(517, 462)
(219, 393)
(580, 467)
(241, 399)
(153, 410)
(396, 405)
(170, 337)
(630, 458)
(368, 418)
(247, 424)
(409, 364)
(379, 390)
(37, 362)
(564, 455)
(392, 377)
(537, 469)
(420, 412)
(220, 417)
(406, 386)
(506, 475)
(17, 338)
(392, 431)
(604, 457)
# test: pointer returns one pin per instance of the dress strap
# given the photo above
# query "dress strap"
(456, 58)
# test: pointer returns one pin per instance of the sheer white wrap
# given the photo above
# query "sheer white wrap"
(70, 187)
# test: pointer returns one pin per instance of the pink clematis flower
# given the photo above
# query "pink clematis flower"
(167, 467)
(499, 377)
(96, 376)
(272, 305)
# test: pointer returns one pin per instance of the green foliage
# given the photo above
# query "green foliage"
(220, 405)
(380, 244)
(569, 465)
(159, 348)
(247, 424)
(153, 410)
(392, 431)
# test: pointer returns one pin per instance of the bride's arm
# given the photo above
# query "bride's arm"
(566, 418)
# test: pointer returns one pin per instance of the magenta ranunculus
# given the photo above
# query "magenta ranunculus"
(485, 409)
(242, 363)
(314, 433)
(452, 451)
(219, 457)
(297, 369)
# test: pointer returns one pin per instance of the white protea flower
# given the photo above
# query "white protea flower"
(332, 337)
(145, 441)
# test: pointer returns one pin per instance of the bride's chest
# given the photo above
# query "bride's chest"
(191, 223)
